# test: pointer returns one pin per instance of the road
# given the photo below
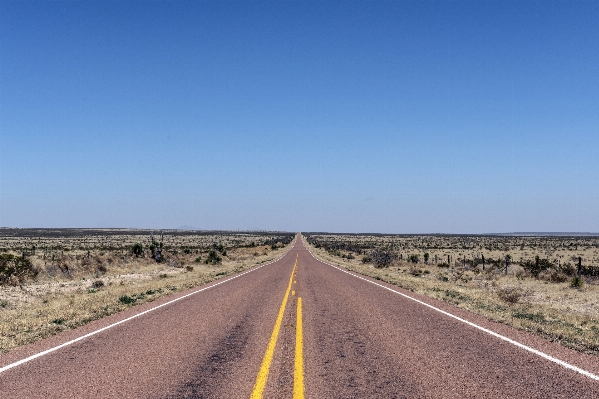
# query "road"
(292, 329)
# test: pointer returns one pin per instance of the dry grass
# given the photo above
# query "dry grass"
(554, 310)
(59, 300)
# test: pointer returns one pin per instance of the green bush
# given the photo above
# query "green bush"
(577, 282)
(137, 250)
(537, 266)
(126, 300)
(213, 258)
(15, 269)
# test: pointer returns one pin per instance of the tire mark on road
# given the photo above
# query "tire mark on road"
(213, 371)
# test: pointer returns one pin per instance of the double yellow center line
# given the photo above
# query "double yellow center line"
(298, 381)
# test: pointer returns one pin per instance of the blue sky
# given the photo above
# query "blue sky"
(391, 117)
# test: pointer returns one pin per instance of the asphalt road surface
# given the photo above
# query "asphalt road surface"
(292, 329)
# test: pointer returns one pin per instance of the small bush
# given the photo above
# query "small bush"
(213, 258)
(510, 294)
(98, 284)
(126, 300)
(137, 249)
(198, 259)
(381, 258)
(443, 264)
(189, 268)
(15, 269)
(101, 269)
(413, 258)
(416, 272)
(366, 259)
(538, 266)
(577, 282)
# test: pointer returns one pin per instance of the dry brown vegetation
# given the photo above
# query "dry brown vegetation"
(83, 275)
(540, 292)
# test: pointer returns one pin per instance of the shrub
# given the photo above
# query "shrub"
(413, 258)
(15, 269)
(137, 249)
(536, 267)
(366, 259)
(381, 258)
(510, 294)
(189, 268)
(415, 272)
(577, 282)
(126, 300)
(426, 256)
(198, 259)
(98, 284)
(213, 258)
(443, 264)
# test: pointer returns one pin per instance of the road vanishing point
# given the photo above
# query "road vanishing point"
(296, 328)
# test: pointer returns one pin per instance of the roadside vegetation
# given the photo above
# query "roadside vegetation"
(53, 280)
(543, 290)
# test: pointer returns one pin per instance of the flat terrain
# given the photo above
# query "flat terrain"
(355, 339)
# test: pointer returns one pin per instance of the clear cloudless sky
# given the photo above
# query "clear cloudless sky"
(390, 117)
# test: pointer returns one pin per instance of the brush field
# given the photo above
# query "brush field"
(541, 291)
(53, 280)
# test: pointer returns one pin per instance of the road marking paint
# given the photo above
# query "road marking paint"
(292, 293)
(47, 351)
(298, 373)
(270, 349)
(493, 333)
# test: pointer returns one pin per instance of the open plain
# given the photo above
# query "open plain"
(297, 327)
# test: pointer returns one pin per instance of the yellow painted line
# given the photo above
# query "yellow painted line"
(262, 377)
(292, 292)
(298, 374)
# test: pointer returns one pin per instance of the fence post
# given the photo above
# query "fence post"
(483, 256)
(579, 266)
(507, 262)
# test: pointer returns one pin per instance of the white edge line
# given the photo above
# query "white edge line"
(40, 354)
(493, 333)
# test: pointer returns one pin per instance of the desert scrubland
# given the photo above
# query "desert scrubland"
(543, 291)
(53, 280)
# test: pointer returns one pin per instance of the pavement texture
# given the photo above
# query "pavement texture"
(356, 340)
